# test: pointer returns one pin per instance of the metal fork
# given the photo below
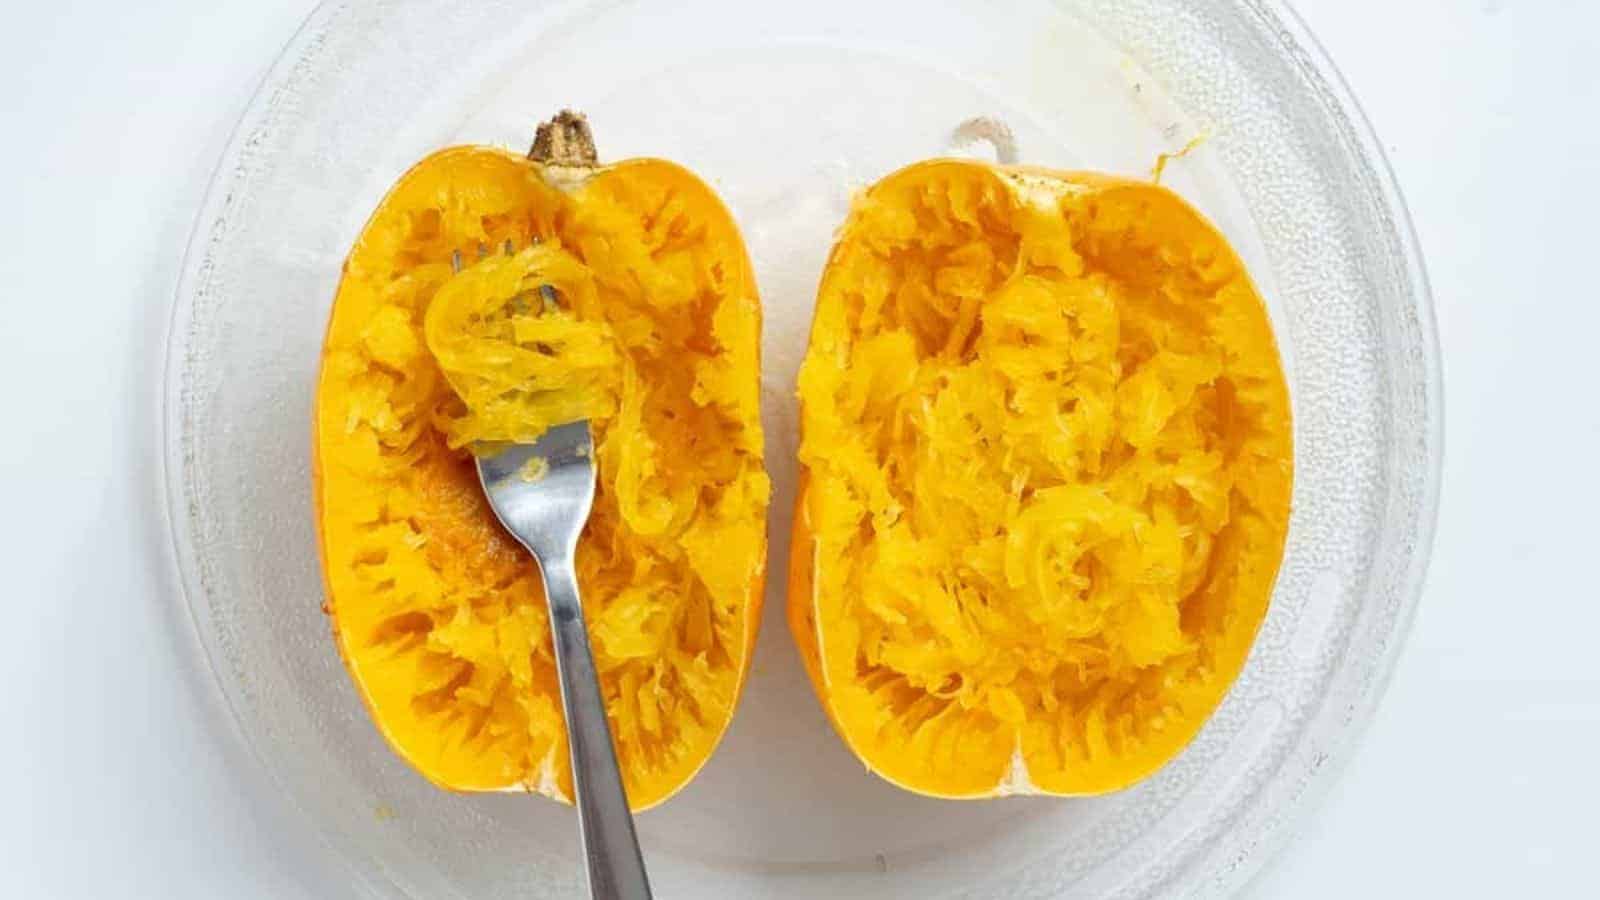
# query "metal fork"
(542, 492)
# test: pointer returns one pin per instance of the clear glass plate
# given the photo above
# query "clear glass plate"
(786, 108)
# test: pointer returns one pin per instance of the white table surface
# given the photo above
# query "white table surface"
(1477, 779)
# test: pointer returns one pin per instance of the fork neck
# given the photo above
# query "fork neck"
(557, 563)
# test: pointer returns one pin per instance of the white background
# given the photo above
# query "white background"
(1477, 779)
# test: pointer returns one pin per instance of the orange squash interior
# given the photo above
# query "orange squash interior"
(438, 613)
(1046, 453)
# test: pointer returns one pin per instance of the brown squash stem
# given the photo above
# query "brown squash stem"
(565, 140)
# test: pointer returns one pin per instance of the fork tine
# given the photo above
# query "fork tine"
(547, 294)
(550, 301)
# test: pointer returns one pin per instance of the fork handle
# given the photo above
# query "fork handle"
(610, 847)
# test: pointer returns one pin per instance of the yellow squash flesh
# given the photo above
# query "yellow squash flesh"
(1046, 455)
(438, 613)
